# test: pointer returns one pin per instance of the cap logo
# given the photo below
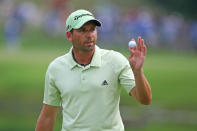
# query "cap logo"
(69, 26)
(79, 16)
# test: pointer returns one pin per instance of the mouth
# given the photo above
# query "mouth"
(89, 43)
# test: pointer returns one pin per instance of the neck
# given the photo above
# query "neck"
(82, 58)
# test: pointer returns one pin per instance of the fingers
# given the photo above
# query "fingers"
(140, 46)
(140, 43)
(143, 47)
(132, 51)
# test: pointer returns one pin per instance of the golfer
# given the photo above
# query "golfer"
(86, 82)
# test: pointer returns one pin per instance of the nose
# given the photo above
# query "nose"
(89, 33)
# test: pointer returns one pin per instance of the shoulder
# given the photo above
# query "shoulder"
(57, 63)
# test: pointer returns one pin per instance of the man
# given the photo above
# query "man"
(87, 80)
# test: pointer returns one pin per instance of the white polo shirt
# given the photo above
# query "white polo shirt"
(89, 95)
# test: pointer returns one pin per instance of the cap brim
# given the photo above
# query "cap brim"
(80, 24)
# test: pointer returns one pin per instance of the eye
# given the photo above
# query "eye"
(93, 29)
(83, 30)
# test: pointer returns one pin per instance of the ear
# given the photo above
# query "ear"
(69, 36)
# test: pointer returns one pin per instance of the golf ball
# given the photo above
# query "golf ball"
(132, 44)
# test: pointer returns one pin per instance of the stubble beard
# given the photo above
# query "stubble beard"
(88, 49)
(84, 47)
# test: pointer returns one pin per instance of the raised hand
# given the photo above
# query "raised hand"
(137, 55)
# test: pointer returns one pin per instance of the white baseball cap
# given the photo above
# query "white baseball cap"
(78, 18)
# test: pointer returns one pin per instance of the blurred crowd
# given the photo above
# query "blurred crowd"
(159, 29)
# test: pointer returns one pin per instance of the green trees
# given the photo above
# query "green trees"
(185, 7)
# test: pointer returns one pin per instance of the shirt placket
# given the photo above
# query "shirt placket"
(84, 80)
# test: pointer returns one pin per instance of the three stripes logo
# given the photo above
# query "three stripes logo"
(104, 83)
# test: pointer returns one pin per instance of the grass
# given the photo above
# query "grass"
(172, 76)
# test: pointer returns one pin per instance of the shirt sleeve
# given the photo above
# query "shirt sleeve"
(51, 92)
(126, 77)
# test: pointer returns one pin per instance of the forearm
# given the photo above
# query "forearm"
(47, 118)
(143, 91)
(45, 124)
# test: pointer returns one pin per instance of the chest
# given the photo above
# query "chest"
(94, 81)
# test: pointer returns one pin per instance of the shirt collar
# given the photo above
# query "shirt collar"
(96, 59)
(71, 61)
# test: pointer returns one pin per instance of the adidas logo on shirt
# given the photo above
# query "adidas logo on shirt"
(104, 83)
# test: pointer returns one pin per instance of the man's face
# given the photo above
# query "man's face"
(84, 38)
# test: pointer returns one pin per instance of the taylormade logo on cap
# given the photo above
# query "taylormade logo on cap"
(78, 18)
